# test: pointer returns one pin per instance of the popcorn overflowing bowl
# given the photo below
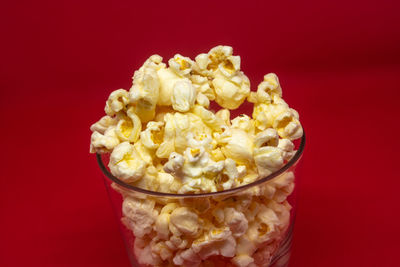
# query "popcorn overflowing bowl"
(194, 187)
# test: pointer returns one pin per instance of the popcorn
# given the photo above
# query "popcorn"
(103, 143)
(126, 164)
(268, 159)
(139, 215)
(116, 102)
(183, 96)
(181, 65)
(152, 137)
(279, 116)
(103, 124)
(236, 221)
(202, 85)
(245, 123)
(269, 137)
(268, 88)
(215, 242)
(145, 89)
(231, 92)
(183, 221)
(162, 137)
(237, 145)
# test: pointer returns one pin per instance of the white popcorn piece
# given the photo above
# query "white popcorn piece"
(187, 258)
(268, 88)
(236, 221)
(174, 164)
(126, 164)
(152, 136)
(230, 174)
(117, 101)
(237, 145)
(202, 85)
(208, 118)
(162, 226)
(145, 89)
(269, 137)
(167, 78)
(242, 260)
(224, 115)
(181, 65)
(143, 253)
(245, 123)
(268, 159)
(103, 143)
(139, 215)
(287, 148)
(103, 124)
(183, 221)
(215, 242)
(231, 92)
(202, 100)
(183, 96)
(279, 116)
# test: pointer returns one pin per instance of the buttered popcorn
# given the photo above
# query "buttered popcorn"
(161, 136)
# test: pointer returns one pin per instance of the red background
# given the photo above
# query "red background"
(339, 66)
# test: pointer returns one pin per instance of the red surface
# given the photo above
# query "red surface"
(339, 65)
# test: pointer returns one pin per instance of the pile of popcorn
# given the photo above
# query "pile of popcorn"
(162, 137)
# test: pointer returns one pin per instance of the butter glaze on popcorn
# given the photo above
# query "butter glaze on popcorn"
(162, 137)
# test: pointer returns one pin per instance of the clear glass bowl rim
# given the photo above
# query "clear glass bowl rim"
(291, 163)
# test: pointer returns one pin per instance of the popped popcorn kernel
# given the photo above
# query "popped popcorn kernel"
(116, 102)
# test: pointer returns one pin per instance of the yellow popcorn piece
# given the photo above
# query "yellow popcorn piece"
(269, 87)
(224, 115)
(237, 145)
(278, 115)
(208, 118)
(268, 159)
(203, 86)
(152, 136)
(183, 96)
(144, 92)
(103, 124)
(181, 65)
(269, 137)
(126, 163)
(231, 92)
(245, 123)
(116, 102)
(103, 143)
